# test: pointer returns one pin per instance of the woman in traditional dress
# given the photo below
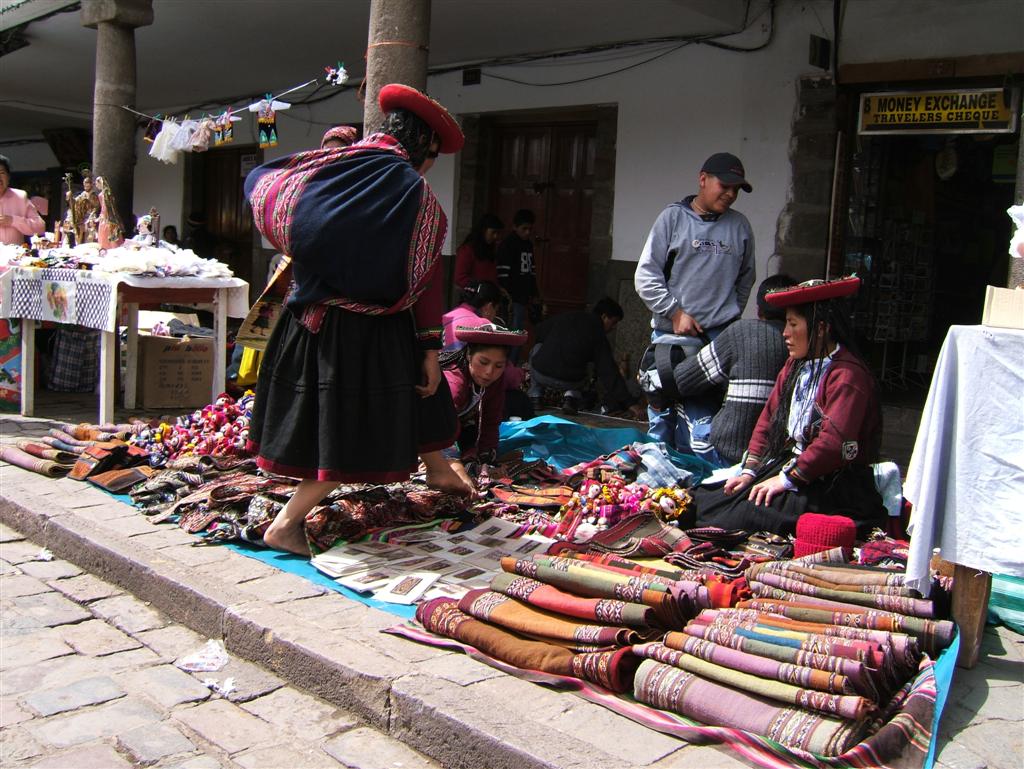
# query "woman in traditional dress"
(350, 389)
(813, 445)
(476, 376)
(478, 304)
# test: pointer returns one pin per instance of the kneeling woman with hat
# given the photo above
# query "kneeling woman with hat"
(475, 374)
(816, 438)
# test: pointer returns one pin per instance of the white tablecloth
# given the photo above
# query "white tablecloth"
(89, 297)
(966, 475)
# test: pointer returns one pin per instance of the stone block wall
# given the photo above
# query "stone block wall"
(801, 237)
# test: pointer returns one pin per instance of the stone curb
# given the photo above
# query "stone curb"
(326, 644)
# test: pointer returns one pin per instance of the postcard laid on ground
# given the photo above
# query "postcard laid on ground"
(419, 535)
(496, 527)
(372, 547)
(367, 581)
(407, 588)
(488, 559)
(463, 549)
(470, 577)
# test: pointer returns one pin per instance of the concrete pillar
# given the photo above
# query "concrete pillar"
(113, 129)
(396, 51)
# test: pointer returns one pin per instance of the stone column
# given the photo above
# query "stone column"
(396, 50)
(113, 129)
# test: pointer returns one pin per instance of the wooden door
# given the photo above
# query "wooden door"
(220, 176)
(549, 169)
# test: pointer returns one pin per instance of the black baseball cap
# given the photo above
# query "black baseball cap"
(728, 168)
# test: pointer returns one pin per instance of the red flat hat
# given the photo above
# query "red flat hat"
(396, 96)
(813, 291)
(490, 333)
(817, 532)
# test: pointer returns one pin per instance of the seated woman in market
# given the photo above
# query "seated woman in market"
(478, 305)
(816, 438)
(475, 375)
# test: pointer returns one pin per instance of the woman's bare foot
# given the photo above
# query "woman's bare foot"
(290, 539)
(461, 471)
(443, 478)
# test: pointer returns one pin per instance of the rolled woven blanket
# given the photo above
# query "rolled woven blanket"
(848, 706)
(692, 696)
(548, 597)
(66, 437)
(44, 451)
(841, 599)
(611, 669)
(56, 443)
(499, 609)
(15, 456)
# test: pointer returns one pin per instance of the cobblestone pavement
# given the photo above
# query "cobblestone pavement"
(88, 681)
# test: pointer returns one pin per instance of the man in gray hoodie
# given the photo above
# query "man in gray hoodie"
(695, 275)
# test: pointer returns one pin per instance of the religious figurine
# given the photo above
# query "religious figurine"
(144, 230)
(147, 228)
(86, 204)
(69, 225)
(109, 229)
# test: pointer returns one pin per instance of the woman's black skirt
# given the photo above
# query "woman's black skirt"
(340, 405)
(850, 491)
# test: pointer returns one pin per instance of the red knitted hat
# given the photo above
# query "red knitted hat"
(396, 96)
(816, 532)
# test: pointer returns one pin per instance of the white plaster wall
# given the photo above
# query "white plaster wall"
(160, 185)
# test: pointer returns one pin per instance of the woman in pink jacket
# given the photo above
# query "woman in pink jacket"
(18, 217)
(475, 375)
(478, 305)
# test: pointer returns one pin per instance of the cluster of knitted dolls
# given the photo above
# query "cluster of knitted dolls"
(220, 429)
(598, 505)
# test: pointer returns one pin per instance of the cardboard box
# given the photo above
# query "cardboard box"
(174, 373)
(1004, 307)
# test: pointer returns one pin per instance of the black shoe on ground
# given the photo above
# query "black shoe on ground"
(570, 405)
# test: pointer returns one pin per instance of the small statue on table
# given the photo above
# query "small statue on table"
(109, 228)
(147, 228)
(86, 205)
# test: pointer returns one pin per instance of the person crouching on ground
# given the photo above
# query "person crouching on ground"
(476, 376)
(566, 346)
(350, 388)
(479, 306)
(819, 432)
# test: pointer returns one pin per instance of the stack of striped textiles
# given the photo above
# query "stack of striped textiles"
(858, 596)
(570, 616)
(801, 667)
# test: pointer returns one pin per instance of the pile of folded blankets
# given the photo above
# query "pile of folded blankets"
(820, 655)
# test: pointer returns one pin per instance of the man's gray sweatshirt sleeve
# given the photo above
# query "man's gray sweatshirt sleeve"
(650, 270)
